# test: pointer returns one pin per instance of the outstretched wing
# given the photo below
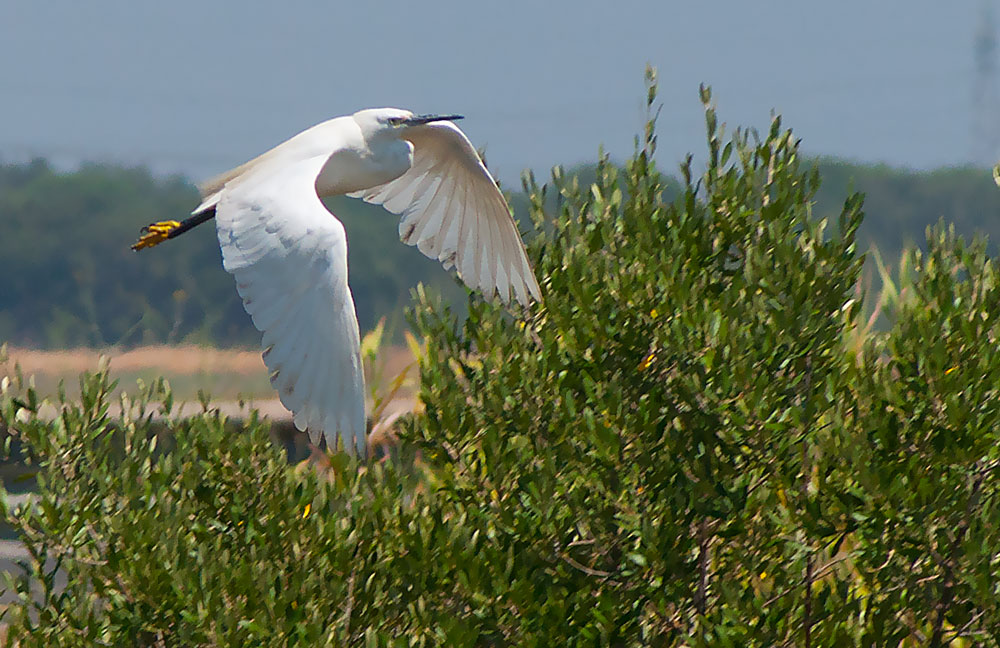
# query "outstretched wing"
(452, 210)
(289, 257)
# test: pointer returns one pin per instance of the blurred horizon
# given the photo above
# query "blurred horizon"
(194, 88)
(186, 90)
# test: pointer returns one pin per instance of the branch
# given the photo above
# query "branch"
(807, 621)
(948, 562)
(584, 568)
(704, 543)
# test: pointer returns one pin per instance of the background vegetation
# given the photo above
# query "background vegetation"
(697, 439)
(70, 278)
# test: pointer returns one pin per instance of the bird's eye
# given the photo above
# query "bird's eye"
(396, 121)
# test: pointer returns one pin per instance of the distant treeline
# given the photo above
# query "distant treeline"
(68, 277)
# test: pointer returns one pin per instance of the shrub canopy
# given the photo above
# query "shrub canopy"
(697, 439)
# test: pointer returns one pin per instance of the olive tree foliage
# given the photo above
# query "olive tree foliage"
(696, 439)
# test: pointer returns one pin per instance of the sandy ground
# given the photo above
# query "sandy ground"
(234, 380)
(226, 375)
(168, 359)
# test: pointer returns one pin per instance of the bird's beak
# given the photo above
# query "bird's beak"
(417, 120)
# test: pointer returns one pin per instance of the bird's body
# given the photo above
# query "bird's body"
(355, 163)
(288, 253)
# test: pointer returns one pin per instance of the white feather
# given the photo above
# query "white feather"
(289, 257)
(475, 202)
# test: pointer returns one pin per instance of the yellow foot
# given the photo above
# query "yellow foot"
(154, 234)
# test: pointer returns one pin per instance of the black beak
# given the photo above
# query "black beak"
(416, 120)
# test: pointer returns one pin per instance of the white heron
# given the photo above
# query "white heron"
(288, 253)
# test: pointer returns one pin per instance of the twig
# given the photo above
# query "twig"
(581, 543)
(818, 574)
(350, 604)
(704, 541)
(947, 563)
(584, 568)
(958, 632)
(806, 476)
(808, 601)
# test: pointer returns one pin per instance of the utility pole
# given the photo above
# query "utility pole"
(986, 93)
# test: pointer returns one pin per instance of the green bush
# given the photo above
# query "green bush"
(696, 440)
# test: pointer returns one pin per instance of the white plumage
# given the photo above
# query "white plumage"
(288, 253)
(452, 211)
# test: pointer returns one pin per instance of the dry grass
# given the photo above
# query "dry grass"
(224, 374)
(171, 360)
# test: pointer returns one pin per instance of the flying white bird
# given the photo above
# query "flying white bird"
(288, 253)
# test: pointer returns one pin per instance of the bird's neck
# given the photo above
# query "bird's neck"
(392, 154)
(352, 169)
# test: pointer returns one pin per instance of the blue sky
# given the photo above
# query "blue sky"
(195, 86)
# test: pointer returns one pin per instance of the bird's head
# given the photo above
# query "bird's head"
(392, 122)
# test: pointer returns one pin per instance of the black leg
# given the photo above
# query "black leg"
(192, 222)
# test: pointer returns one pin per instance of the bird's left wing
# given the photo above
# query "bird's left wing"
(453, 211)
(289, 257)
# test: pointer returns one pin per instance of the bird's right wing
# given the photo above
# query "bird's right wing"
(288, 254)
(453, 211)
